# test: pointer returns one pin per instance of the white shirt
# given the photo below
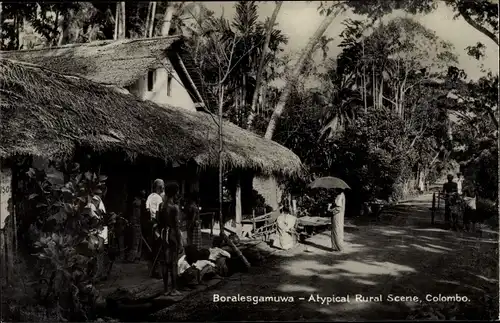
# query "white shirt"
(182, 265)
(104, 232)
(216, 253)
(153, 203)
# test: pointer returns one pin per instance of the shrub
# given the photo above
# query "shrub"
(62, 235)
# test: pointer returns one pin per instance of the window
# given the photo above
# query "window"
(169, 84)
(151, 80)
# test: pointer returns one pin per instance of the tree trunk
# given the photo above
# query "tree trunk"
(238, 215)
(243, 100)
(260, 69)
(263, 99)
(306, 52)
(148, 20)
(152, 21)
(123, 21)
(167, 20)
(364, 77)
(477, 26)
(1, 20)
(221, 217)
(117, 21)
(374, 86)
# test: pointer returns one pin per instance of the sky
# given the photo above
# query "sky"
(299, 19)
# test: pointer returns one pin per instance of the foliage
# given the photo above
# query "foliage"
(480, 14)
(476, 133)
(63, 237)
(315, 203)
(231, 50)
(258, 203)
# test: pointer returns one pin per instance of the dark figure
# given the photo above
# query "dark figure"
(470, 218)
(170, 235)
(449, 189)
(193, 222)
(135, 223)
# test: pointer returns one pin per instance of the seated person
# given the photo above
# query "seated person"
(219, 256)
(194, 266)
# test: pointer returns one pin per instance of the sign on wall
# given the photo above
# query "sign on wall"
(6, 194)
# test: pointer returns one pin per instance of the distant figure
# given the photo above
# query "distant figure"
(193, 221)
(449, 188)
(470, 218)
(337, 215)
(170, 235)
(460, 181)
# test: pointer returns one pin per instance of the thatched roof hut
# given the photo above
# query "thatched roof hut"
(45, 113)
(120, 62)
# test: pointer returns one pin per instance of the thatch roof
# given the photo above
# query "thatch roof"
(46, 113)
(116, 62)
(119, 62)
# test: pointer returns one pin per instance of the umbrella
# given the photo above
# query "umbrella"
(329, 182)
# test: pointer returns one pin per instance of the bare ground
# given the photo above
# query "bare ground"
(401, 255)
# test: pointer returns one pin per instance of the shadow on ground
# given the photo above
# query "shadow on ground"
(402, 255)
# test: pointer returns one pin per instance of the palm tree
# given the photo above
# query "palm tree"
(305, 54)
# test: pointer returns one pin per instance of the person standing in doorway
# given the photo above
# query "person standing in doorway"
(193, 221)
(170, 236)
(153, 203)
(337, 216)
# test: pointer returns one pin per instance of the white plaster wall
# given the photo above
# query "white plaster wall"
(179, 96)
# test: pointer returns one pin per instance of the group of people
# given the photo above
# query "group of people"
(179, 256)
(165, 235)
(459, 200)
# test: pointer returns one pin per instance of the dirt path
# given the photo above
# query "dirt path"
(402, 255)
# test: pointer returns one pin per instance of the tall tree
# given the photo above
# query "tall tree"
(167, 19)
(260, 69)
(117, 21)
(150, 26)
(480, 14)
(123, 21)
(330, 14)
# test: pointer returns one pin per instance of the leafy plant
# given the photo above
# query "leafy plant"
(63, 236)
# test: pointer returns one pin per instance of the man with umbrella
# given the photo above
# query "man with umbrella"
(337, 210)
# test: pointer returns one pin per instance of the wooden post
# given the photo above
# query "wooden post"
(9, 252)
(238, 214)
(212, 220)
(254, 226)
(433, 207)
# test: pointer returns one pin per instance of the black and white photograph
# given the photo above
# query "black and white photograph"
(204, 161)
